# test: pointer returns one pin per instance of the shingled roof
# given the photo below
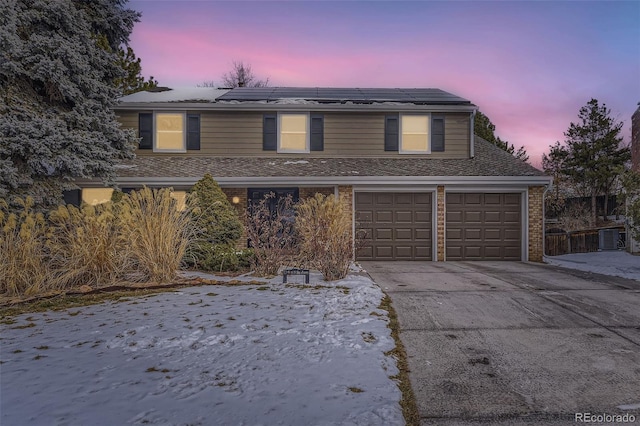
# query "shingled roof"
(489, 161)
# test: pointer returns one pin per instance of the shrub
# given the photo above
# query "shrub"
(216, 220)
(86, 246)
(270, 232)
(227, 258)
(158, 233)
(575, 217)
(324, 227)
(23, 266)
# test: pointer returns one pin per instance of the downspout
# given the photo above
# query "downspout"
(544, 219)
(472, 133)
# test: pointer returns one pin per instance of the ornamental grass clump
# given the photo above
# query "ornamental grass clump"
(270, 230)
(157, 232)
(24, 269)
(323, 225)
(87, 247)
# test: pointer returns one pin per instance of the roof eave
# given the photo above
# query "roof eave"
(260, 107)
(337, 180)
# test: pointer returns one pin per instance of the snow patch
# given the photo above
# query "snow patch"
(296, 162)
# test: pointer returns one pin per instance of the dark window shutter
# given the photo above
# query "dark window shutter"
(437, 133)
(73, 197)
(145, 130)
(391, 133)
(317, 132)
(269, 133)
(193, 131)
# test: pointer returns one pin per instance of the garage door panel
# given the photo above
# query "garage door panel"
(422, 199)
(404, 199)
(512, 200)
(492, 217)
(383, 234)
(404, 216)
(422, 216)
(383, 198)
(492, 199)
(512, 217)
(404, 234)
(472, 217)
(423, 234)
(454, 216)
(472, 234)
(483, 226)
(364, 216)
(422, 253)
(384, 251)
(384, 216)
(400, 225)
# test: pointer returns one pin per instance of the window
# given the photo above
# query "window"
(96, 196)
(293, 133)
(169, 132)
(414, 134)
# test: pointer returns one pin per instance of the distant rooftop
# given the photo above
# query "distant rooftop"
(333, 95)
(183, 94)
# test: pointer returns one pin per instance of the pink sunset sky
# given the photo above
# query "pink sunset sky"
(529, 66)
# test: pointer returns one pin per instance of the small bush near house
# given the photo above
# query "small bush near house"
(23, 266)
(227, 258)
(216, 223)
(157, 233)
(270, 231)
(86, 246)
(324, 227)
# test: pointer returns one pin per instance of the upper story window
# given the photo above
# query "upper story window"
(170, 134)
(414, 133)
(293, 132)
(169, 131)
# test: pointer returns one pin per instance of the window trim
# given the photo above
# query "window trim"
(401, 150)
(307, 149)
(184, 132)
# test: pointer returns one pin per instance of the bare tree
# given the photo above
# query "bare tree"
(242, 76)
(207, 83)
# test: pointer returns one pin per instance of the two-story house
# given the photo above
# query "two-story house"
(419, 183)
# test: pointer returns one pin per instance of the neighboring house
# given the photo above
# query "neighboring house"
(420, 184)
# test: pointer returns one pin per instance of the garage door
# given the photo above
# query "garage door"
(483, 227)
(397, 225)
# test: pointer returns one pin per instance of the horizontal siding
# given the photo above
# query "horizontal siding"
(345, 135)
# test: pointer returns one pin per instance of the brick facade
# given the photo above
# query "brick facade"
(310, 192)
(440, 220)
(536, 223)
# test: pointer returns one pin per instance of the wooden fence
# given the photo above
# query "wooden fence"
(572, 242)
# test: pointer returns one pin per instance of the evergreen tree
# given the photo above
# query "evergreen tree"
(57, 90)
(593, 154)
(553, 165)
(133, 81)
(484, 128)
(217, 220)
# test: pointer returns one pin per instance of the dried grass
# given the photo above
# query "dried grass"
(158, 233)
(23, 266)
(324, 227)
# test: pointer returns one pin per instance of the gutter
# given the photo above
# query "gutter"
(471, 181)
(256, 107)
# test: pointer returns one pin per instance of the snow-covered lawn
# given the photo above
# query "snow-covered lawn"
(615, 263)
(211, 355)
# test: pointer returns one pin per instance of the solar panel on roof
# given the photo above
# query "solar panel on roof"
(436, 96)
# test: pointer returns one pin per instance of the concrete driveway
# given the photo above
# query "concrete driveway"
(515, 343)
